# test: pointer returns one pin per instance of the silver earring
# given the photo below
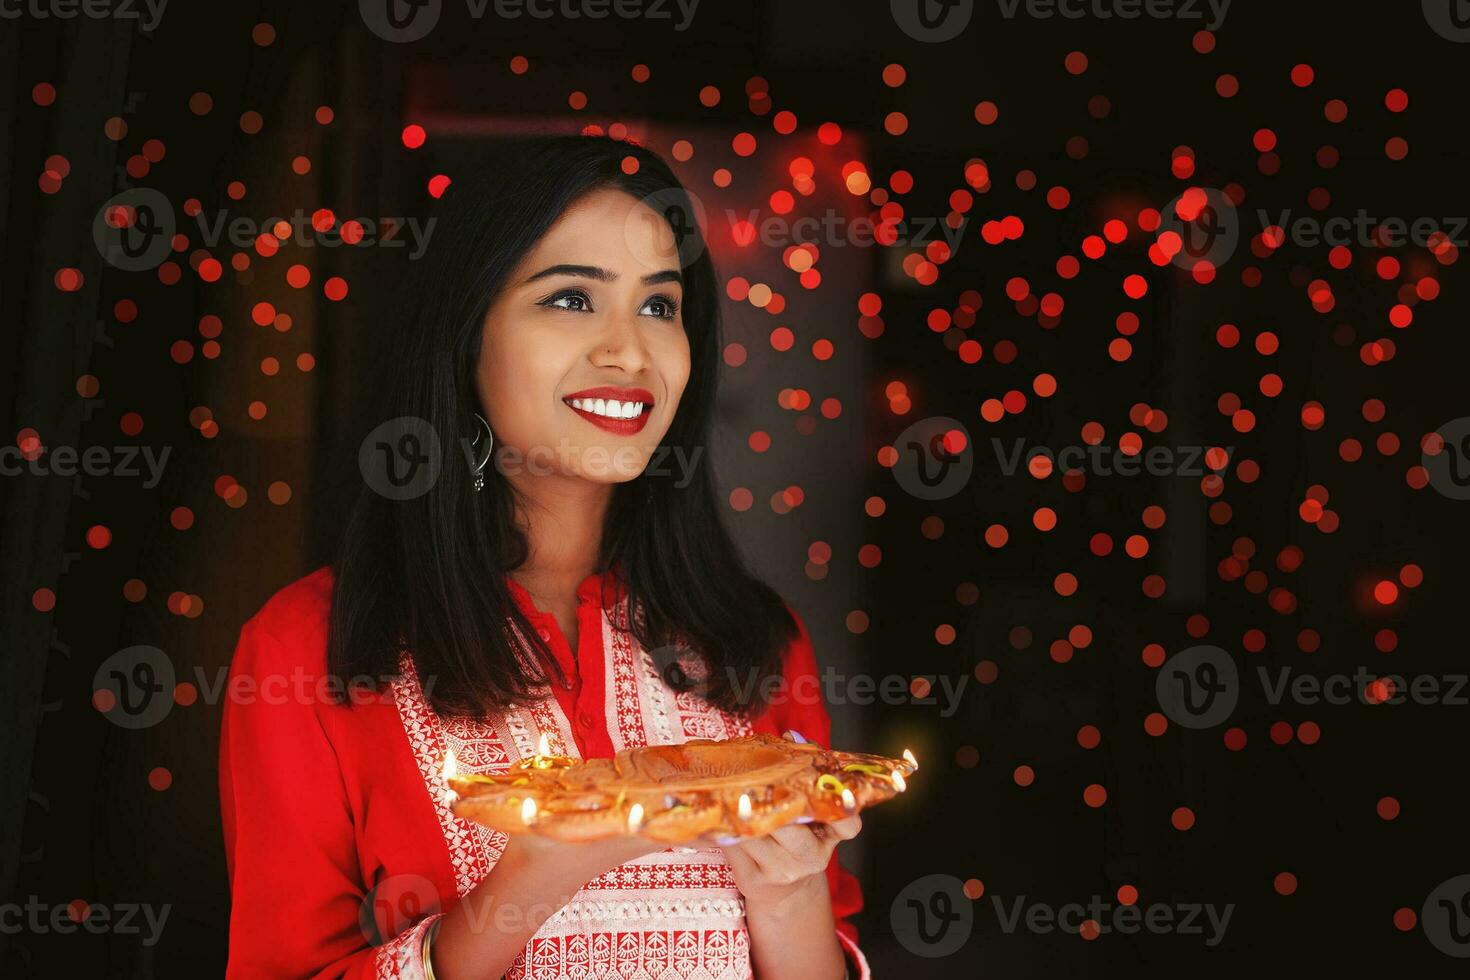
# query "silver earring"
(488, 438)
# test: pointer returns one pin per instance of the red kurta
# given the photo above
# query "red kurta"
(339, 838)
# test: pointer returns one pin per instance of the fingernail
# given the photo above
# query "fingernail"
(796, 736)
(725, 841)
(806, 819)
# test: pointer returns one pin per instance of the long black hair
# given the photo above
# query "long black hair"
(427, 573)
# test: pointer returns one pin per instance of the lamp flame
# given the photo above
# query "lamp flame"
(909, 758)
(743, 807)
(451, 769)
(528, 811)
(899, 783)
(849, 802)
(543, 747)
(635, 817)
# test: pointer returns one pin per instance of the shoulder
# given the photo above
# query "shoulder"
(291, 625)
(799, 658)
(800, 644)
(796, 700)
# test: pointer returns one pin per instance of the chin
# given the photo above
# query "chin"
(609, 476)
(613, 464)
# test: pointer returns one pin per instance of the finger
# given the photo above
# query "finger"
(806, 844)
(775, 862)
(847, 828)
(741, 862)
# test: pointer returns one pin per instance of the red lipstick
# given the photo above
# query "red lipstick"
(606, 393)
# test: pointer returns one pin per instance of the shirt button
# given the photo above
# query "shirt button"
(544, 633)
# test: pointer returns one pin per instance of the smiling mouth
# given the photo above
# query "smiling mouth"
(622, 416)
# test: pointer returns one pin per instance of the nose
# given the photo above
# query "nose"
(620, 345)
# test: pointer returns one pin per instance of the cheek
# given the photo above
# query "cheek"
(516, 380)
(674, 364)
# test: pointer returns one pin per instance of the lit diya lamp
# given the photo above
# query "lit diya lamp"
(451, 770)
(677, 794)
(543, 759)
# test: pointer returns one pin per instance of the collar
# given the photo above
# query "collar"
(607, 586)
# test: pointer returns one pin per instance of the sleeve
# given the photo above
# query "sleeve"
(804, 712)
(297, 898)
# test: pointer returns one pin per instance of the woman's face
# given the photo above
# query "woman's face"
(583, 358)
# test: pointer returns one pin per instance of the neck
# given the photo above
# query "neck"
(562, 518)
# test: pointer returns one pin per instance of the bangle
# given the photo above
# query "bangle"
(429, 934)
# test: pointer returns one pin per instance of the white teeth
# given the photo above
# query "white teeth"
(611, 408)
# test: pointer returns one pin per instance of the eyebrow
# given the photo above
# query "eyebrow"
(605, 275)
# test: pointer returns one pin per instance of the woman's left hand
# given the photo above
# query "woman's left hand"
(789, 862)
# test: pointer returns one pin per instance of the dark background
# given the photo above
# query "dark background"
(81, 820)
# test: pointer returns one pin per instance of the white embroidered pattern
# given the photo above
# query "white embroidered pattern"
(672, 915)
(400, 958)
(473, 849)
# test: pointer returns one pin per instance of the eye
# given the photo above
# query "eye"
(574, 300)
(662, 307)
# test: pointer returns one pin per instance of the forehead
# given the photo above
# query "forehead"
(608, 228)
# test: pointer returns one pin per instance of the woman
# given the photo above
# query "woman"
(567, 577)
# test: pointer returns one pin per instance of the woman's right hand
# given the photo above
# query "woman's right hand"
(591, 858)
(482, 935)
